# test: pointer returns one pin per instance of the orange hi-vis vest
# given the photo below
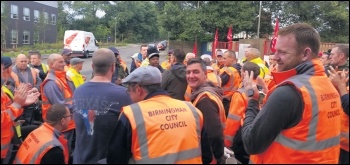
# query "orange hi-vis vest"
(216, 68)
(316, 138)
(214, 78)
(234, 81)
(218, 102)
(344, 135)
(188, 93)
(211, 76)
(8, 114)
(235, 117)
(168, 134)
(38, 143)
(17, 81)
(65, 89)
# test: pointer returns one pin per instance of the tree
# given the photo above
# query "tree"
(4, 17)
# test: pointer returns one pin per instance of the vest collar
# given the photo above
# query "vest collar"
(61, 75)
(55, 131)
(313, 67)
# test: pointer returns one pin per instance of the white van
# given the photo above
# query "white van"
(81, 43)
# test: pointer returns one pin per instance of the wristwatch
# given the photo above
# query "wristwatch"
(250, 92)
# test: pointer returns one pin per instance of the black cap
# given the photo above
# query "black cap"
(6, 61)
(114, 50)
(152, 50)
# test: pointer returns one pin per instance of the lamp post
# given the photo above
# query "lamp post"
(260, 4)
(115, 32)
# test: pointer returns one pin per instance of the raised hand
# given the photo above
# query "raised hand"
(339, 80)
(21, 93)
(32, 97)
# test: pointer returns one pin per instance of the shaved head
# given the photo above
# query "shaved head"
(53, 57)
(102, 60)
(56, 62)
(22, 62)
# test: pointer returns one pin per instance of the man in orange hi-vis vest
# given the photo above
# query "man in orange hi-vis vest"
(208, 99)
(300, 121)
(235, 117)
(10, 110)
(57, 89)
(157, 129)
(46, 144)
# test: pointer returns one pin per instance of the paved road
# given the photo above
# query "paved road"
(126, 52)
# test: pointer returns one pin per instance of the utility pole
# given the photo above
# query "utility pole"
(115, 32)
(260, 4)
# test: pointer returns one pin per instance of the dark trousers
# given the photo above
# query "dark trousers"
(70, 136)
(226, 104)
(343, 157)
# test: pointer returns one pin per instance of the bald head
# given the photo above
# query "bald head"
(189, 56)
(102, 60)
(22, 62)
(56, 62)
(252, 53)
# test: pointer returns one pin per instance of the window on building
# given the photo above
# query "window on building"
(14, 11)
(26, 37)
(36, 15)
(46, 17)
(53, 19)
(26, 14)
(14, 37)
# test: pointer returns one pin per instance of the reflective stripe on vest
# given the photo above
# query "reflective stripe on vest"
(142, 139)
(29, 153)
(234, 118)
(311, 144)
(320, 144)
(65, 92)
(218, 102)
(7, 91)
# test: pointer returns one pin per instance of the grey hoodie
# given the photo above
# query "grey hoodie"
(174, 81)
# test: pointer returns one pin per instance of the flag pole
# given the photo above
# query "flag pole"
(260, 4)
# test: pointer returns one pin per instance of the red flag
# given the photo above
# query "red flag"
(216, 38)
(195, 48)
(274, 39)
(229, 38)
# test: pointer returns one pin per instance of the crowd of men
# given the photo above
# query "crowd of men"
(188, 109)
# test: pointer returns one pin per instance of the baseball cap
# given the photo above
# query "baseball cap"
(145, 75)
(66, 52)
(219, 53)
(6, 61)
(152, 51)
(75, 60)
(114, 50)
(206, 56)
